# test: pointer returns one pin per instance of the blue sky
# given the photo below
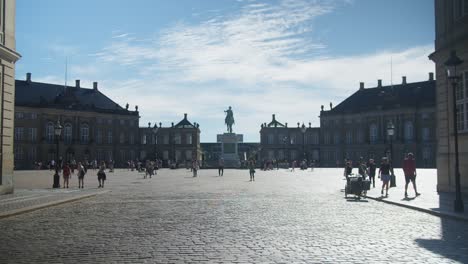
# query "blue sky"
(198, 57)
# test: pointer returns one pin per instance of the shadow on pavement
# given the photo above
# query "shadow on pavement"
(353, 199)
(454, 242)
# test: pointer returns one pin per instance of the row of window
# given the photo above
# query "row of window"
(461, 95)
(292, 139)
(337, 122)
(21, 115)
(177, 139)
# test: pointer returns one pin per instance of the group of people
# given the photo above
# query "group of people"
(271, 164)
(68, 169)
(385, 172)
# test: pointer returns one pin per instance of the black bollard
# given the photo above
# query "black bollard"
(56, 180)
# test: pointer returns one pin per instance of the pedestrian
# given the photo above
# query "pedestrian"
(101, 175)
(195, 168)
(66, 175)
(221, 167)
(409, 168)
(348, 170)
(293, 165)
(252, 170)
(362, 169)
(371, 171)
(81, 174)
(384, 174)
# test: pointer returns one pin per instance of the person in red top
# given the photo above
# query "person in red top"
(409, 168)
(66, 175)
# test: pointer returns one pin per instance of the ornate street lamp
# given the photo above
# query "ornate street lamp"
(303, 130)
(391, 133)
(155, 132)
(451, 67)
(57, 132)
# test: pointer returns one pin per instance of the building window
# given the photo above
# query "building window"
(426, 154)
(143, 139)
(178, 155)
(132, 154)
(360, 136)
(373, 133)
(32, 154)
(122, 122)
(99, 155)
(109, 121)
(349, 137)
(122, 138)
(19, 115)
(293, 154)
(270, 139)
(67, 133)
(462, 104)
(84, 134)
(109, 137)
(408, 131)
(426, 134)
(280, 154)
(32, 134)
(98, 136)
(292, 139)
(109, 155)
(336, 138)
(177, 139)
(165, 154)
(122, 155)
(326, 138)
(33, 115)
(188, 154)
(18, 153)
(19, 133)
(189, 139)
(132, 138)
(50, 132)
(271, 154)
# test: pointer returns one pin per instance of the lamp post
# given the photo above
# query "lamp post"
(390, 133)
(285, 138)
(303, 130)
(57, 133)
(155, 132)
(451, 66)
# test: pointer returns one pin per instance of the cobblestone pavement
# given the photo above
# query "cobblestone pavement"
(282, 217)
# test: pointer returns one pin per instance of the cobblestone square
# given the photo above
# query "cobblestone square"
(282, 217)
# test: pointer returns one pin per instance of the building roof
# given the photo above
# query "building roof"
(184, 123)
(46, 95)
(410, 95)
(274, 122)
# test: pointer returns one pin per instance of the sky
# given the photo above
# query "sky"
(283, 57)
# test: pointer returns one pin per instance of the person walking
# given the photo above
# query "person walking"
(409, 168)
(221, 167)
(101, 175)
(252, 169)
(81, 174)
(348, 170)
(362, 169)
(195, 168)
(66, 175)
(384, 174)
(371, 169)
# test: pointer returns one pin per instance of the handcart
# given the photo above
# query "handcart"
(356, 185)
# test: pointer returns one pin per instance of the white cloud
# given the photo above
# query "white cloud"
(260, 61)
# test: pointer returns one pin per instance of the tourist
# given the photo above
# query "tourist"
(66, 175)
(362, 169)
(221, 167)
(252, 170)
(101, 175)
(409, 168)
(384, 174)
(195, 168)
(348, 170)
(371, 171)
(81, 174)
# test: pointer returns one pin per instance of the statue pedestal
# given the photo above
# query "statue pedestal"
(229, 148)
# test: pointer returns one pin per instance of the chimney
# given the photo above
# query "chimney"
(286, 124)
(361, 86)
(172, 124)
(379, 83)
(28, 77)
(403, 80)
(431, 76)
(95, 86)
(185, 116)
(77, 83)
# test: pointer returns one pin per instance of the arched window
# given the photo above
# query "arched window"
(67, 133)
(373, 133)
(409, 131)
(50, 132)
(84, 134)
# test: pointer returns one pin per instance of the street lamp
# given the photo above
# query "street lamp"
(451, 66)
(303, 130)
(390, 133)
(285, 139)
(57, 132)
(155, 132)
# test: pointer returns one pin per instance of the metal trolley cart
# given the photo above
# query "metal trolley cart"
(357, 185)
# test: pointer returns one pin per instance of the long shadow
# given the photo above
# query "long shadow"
(454, 241)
